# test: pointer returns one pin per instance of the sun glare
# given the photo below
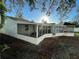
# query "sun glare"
(45, 19)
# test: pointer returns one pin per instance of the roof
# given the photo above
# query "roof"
(20, 19)
(25, 21)
(67, 23)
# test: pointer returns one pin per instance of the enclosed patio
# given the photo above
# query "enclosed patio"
(33, 30)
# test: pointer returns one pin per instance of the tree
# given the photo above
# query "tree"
(47, 6)
(2, 12)
(62, 6)
(77, 16)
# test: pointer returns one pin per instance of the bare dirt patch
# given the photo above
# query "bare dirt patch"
(60, 48)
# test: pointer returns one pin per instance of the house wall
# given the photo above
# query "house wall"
(76, 29)
(27, 38)
(40, 39)
(10, 27)
(61, 29)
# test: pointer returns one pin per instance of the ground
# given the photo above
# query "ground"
(18, 49)
(62, 47)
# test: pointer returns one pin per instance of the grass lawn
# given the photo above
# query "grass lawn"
(77, 34)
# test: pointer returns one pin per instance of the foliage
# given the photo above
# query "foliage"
(77, 16)
(1, 47)
(76, 34)
(61, 6)
(2, 12)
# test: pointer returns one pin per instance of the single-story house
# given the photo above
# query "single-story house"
(31, 31)
(74, 26)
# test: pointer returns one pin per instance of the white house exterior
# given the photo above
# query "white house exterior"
(9, 27)
(30, 31)
(76, 29)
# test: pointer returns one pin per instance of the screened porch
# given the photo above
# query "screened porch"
(33, 30)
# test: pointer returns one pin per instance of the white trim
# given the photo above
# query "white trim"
(36, 41)
(37, 31)
(0, 19)
(27, 38)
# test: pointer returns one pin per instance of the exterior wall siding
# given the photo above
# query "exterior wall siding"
(27, 38)
(10, 27)
(62, 29)
(76, 29)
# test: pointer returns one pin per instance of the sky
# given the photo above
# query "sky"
(37, 16)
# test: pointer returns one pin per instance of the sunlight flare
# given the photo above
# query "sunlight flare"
(44, 19)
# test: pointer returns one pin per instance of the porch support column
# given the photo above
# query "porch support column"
(37, 31)
(0, 19)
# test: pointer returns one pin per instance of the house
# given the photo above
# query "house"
(31, 31)
(74, 26)
(25, 30)
(69, 26)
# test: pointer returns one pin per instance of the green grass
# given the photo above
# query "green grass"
(77, 34)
